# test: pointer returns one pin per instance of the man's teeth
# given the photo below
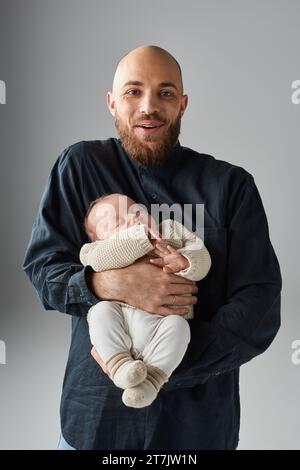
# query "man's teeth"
(147, 126)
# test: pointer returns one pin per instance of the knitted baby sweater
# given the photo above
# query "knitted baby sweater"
(126, 246)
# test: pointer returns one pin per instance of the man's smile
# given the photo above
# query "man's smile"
(148, 130)
(147, 126)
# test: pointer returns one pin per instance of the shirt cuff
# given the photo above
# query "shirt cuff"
(79, 291)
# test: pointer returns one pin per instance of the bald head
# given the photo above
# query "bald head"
(147, 56)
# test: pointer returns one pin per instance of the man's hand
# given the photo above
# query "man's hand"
(146, 287)
(100, 362)
(170, 260)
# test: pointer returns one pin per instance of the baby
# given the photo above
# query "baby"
(139, 349)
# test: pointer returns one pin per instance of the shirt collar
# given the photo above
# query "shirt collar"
(169, 163)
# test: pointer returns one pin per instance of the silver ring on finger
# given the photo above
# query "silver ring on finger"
(174, 299)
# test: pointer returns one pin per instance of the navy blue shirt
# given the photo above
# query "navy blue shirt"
(236, 318)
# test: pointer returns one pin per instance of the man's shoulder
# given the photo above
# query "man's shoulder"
(216, 169)
(89, 148)
(75, 155)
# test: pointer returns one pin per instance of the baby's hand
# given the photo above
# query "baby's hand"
(169, 259)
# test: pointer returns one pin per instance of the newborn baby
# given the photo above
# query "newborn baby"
(139, 349)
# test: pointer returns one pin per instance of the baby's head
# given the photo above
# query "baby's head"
(111, 213)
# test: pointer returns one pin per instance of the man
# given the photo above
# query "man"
(238, 310)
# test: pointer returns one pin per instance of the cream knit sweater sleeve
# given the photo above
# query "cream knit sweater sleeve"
(116, 252)
(190, 246)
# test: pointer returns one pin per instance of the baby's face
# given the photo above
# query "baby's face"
(117, 212)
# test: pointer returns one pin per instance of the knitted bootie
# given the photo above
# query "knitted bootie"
(124, 371)
(145, 393)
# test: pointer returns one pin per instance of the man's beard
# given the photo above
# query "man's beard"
(140, 151)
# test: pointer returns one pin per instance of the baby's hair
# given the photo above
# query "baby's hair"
(92, 204)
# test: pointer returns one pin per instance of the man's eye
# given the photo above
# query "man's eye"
(135, 92)
(131, 92)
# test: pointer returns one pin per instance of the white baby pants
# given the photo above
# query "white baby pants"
(158, 340)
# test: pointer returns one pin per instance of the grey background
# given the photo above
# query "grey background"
(57, 58)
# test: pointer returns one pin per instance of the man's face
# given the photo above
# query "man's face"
(147, 104)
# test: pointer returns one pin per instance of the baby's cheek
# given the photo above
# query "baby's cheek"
(103, 230)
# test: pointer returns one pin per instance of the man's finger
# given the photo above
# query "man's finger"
(175, 311)
(183, 289)
(181, 300)
(99, 360)
(181, 280)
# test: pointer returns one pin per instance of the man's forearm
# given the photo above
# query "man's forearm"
(105, 285)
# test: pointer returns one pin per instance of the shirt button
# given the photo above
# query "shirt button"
(154, 196)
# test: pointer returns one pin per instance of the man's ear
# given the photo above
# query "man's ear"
(110, 102)
(184, 103)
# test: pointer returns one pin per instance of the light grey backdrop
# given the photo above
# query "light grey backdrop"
(57, 58)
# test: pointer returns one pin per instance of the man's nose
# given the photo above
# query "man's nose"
(149, 104)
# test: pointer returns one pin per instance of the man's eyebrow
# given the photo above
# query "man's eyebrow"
(162, 84)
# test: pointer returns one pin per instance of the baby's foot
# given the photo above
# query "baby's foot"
(130, 374)
(146, 392)
(141, 395)
(125, 371)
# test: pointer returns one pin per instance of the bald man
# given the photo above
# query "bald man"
(238, 311)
